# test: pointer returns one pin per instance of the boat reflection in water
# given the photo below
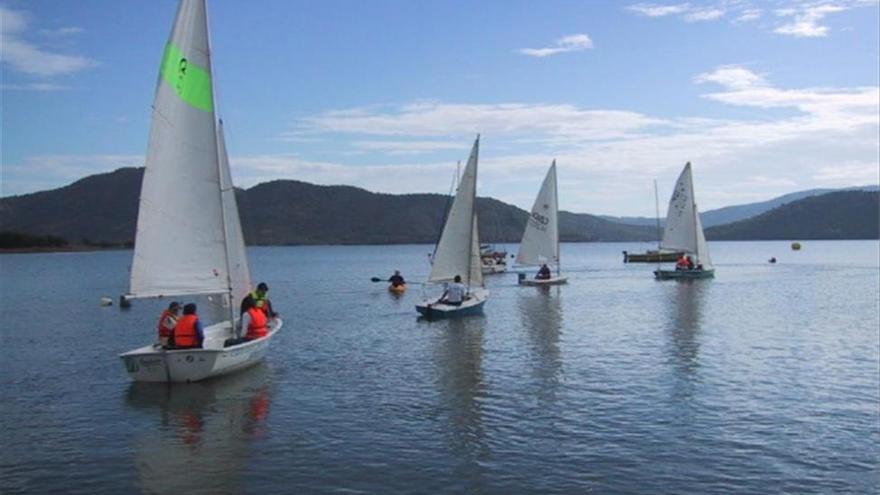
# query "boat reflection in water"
(202, 434)
(684, 315)
(541, 314)
(458, 356)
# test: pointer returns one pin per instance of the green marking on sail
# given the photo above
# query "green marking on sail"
(191, 82)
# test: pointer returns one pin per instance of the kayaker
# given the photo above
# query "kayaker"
(396, 279)
(454, 293)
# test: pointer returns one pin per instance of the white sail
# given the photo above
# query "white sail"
(702, 249)
(680, 232)
(540, 241)
(180, 245)
(453, 254)
(239, 273)
(476, 275)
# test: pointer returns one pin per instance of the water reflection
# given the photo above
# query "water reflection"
(541, 314)
(684, 312)
(458, 357)
(201, 431)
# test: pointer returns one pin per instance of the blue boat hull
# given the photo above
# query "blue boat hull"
(683, 274)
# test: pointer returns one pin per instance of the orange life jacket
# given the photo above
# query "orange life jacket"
(257, 327)
(185, 332)
(163, 330)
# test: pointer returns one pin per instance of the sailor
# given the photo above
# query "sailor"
(167, 321)
(543, 273)
(682, 263)
(454, 293)
(253, 322)
(260, 300)
(396, 279)
(188, 331)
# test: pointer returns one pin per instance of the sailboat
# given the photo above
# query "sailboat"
(684, 231)
(540, 241)
(458, 251)
(189, 241)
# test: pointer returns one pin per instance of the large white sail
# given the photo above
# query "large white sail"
(239, 273)
(180, 246)
(540, 241)
(680, 232)
(453, 254)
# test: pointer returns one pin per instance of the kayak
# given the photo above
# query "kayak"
(397, 289)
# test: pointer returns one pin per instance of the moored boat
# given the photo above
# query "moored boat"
(652, 256)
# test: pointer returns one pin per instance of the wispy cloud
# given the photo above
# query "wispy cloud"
(798, 18)
(571, 43)
(34, 87)
(28, 57)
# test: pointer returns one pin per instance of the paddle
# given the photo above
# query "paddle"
(377, 279)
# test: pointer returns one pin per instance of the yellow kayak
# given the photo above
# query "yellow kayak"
(397, 289)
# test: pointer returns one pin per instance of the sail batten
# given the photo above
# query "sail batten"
(459, 243)
(540, 241)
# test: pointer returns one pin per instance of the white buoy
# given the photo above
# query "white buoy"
(106, 301)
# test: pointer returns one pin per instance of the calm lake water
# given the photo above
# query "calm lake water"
(763, 380)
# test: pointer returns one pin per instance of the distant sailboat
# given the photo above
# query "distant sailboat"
(458, 251)
(540, 241)
(684, 231)
(189, 241)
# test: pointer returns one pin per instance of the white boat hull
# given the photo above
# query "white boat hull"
(535, 282)
(489, 269)
(155, 364)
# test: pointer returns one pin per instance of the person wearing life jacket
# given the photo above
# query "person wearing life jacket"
(260, 299)
(254, 322)
(188, 331)
(682, 263)
(167, 322)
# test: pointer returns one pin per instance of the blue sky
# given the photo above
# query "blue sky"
(763, 97)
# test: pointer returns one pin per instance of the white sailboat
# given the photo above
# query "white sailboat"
(540, 241)
(458, 251)
(189, 241)
(684, 231)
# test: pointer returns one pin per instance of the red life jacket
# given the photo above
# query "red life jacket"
(163, 330)
(185, 332)
(257, 327)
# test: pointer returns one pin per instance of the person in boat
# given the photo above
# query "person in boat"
(455, 293)
(260, 299)
(188, 331)
(396, 279)
(167, 322)
(690, 263)
(543, 272)
(682, 263)
(254, 322)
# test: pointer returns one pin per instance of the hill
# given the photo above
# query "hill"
(735, 213)
(103, 209)
(837, 215)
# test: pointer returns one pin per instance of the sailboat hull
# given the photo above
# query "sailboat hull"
(433, 310)
(683, 274)
(152, 364)
(534, 282)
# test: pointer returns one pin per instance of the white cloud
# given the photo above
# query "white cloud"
(749, 15)
(410, 147)
(34, 87)
(571, 43)
(652, 10)
(28, 57)
(703, 15)
(806, 20)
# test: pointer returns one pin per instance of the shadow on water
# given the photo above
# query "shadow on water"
(458, 356)
(541, 314)
(202, 431)
(684, 303)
